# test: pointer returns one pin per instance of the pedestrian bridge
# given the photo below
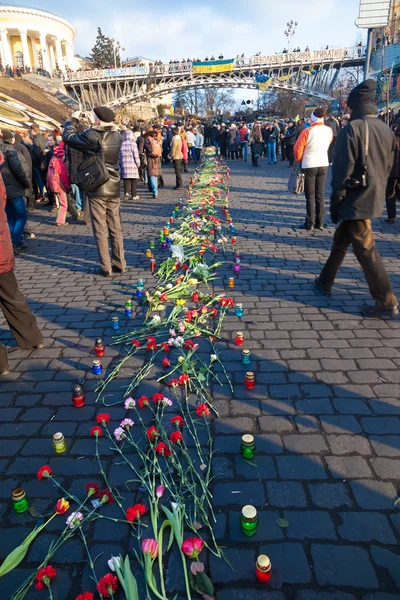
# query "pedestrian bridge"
(313, 73)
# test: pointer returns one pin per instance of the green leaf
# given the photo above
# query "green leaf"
(18, 554)
(204, 583)
(130, 587)
(282, 523)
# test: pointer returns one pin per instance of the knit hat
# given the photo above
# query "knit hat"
(363, 93)
(7, 135)
(104, 113)
(59, 152)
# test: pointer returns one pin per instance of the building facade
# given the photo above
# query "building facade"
(35, 39)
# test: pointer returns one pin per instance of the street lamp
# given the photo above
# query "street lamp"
(290, 31)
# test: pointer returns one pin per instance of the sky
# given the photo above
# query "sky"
(161, 29)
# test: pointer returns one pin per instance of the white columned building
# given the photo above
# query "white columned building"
(35, 39)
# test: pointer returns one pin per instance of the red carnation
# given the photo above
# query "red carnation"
(85, 596)
(176, 437)
(162, 449)
(213, 312)
(44, 472)
(202, 410)
(178, 421)
(96, 431)
(165, 346)
(185, 267)
(103, 418)
(92, 489)
(195, 296)
(44, 576)
(135, 512)
(135, 343)
(151, 338)
(107, 585)
(151, 346)
(152, 433)
(164, 297)
(189, 344)
(166, 362)
(173, 383)
(183, 379)
(143, 401)
(157, 398)
(106, 497)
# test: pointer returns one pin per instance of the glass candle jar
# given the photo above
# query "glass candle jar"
(99, 347)
(168, 240)
(246, 358)
(239, 339)
(59, 443)
(153, 264)
(236, 268)
(234, 240)
(231, 282)
(249, 520)
(152, 246)
(162, 236)
(140, 283)
(128, 308)
(263, 569)
(171, 219)
(78, 396)
(166, 230)
(20, 501)
(239, 310)
(164, 245)
(139, 292)
(115, 323)
(148, 253)
(250, 380)
(97, 367)
(233, 229)
(248, 446)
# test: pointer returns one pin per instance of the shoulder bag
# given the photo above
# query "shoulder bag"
(296, 180)
(92, 173)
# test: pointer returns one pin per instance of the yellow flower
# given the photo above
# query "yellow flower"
(62, 506)
(180, 301)
(193, 281)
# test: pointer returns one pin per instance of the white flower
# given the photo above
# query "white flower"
(179, 341)
(169, 286)
(171, 342)
(213, 357)
(74, 519)
(119, 434)
(157, 293)
(172, 332)
(114, 561)
(129, 403)
(177, 252)
(127, 423)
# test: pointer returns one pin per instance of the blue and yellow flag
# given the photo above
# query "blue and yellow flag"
(263, 86)
(213, 66)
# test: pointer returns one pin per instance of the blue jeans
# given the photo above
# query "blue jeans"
(193, 153)
(78, 196)
(216, 146)
(154, 184)
(17, 217)
(37, 176)
(245, 147)
(271, 152)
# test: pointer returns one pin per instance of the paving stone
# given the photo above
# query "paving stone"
(374, 495)
(276, 424)
(300, 467)
(366, 527)
(381, 425)
(260, 467)
(309, 525)
(340, 424)
(386, 445)
(286, 493)
(241, 563)
(290, 560)
(330, 495)
(348, 467)
(386, 468)
(239, 493)
(343, 565)
(267, 528)
(349, 444)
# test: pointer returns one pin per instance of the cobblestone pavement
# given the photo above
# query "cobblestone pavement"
(325, 411)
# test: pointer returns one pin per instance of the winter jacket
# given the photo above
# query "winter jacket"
(243, 134)
(129, 157)
(102, 140)
(311, 147)
(332, 123)
(38, 148)
(153, 162)
(395, 171)
(7, 262)
(176, 148)
(185, 151)
(290, 136)
(214, 133)
(57, 176)
(256, 148)
(73, 159)
(199, 140)
(24, 150)
(233, 140)
(270, 136)
(362, 203)
(15, 173)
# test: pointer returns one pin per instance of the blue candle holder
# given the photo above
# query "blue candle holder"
(115, 323)
(239, 310)
(97, 367)
(246, 358)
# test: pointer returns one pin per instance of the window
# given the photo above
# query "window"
(19, 60)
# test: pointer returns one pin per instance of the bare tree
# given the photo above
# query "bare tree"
(218, 100)
(190, 100)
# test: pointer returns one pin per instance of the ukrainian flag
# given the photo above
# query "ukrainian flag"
(213, 66)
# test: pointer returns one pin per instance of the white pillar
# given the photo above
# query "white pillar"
(53, 60)
(25, 48)
(6, 47)
(60, 58)
(69, 53)
(34, 52)
(45, 53)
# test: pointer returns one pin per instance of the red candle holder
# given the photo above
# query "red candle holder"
(99, 347)
(250, 380)
(263, 569)
(239, 339)
(78, 396)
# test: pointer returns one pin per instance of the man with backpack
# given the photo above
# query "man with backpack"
(99, 177)
(153, 149)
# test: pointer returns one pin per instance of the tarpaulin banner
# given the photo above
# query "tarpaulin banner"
(213, 66)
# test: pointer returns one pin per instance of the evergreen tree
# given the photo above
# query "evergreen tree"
(103, 51)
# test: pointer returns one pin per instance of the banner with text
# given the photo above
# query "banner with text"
(213, 66)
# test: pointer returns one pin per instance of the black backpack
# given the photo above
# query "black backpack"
(92, 173)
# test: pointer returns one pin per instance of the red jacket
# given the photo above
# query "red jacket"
(7, 262)
(57, 176)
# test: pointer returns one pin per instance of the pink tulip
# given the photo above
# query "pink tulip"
(192, 547)
(150, 546)
(160, 491)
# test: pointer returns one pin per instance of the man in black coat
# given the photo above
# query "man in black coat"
(103, 139)
(363, 159)
(15, 174)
